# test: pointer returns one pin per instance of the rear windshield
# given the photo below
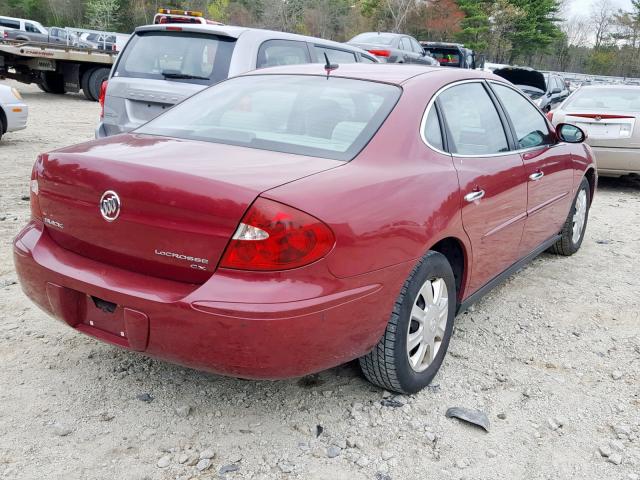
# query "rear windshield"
(375, 38)
(610, 98)
(176, 56)
(306, 115)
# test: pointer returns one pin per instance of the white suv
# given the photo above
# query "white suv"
(162, 65)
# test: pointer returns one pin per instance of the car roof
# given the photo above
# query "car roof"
(235, 32)
(382, 72)
(607, 87)
(387, 34)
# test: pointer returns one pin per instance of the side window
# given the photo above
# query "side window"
(432, 131)
(366, 59)
(9, 23)
(335, 56)
(282, 52)
(29, 27)
(473, 121)
(416, 46)
(531, 128)
(404, 44)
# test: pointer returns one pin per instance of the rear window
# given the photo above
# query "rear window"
(445, 57)
(306, 115)
(176, 56)
(610, 98)
(375, 38)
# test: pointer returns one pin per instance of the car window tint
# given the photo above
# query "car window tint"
(416, 46)
(404, 44)
(176, 56)
(29, 27)
(9, 23)
(366, 59)
(299, 114)
(531, 128)
(335, 56)
(282, 52)
(432, 131)
(473, 121)
(625, 99)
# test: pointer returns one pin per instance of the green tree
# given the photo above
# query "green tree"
(476, 24)
(103, 14)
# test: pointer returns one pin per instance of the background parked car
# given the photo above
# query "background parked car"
(163, 64)
(64, 36)
(453, 55)
(546, 90)
(13, 110)
(393, 48)
(611, 117)
(24, 29)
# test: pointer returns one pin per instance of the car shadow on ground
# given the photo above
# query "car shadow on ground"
(616, 184)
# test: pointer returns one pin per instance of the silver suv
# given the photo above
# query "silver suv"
(163, 64)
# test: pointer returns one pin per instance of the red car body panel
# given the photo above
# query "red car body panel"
(389, 205)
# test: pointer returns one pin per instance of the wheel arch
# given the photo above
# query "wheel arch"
(590, 175)
(3, 118)
(456, 254)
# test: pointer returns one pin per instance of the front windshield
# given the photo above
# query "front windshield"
(301, 114)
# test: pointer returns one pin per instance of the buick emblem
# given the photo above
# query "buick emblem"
(110, 205)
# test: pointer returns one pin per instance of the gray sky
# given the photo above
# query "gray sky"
(582, 7)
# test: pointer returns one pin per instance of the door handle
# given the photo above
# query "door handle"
(473, 196)
(536, 176)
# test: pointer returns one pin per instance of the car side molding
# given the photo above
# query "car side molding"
(502, 277)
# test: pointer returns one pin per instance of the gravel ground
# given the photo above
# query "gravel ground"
(552, 357)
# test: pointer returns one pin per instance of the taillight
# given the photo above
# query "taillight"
(549, 115)
(103, 93)
(381, 53)
(34, 190)
(273, 236)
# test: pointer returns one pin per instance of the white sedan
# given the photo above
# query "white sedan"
(13, 110)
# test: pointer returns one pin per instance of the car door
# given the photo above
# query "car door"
(419, 52)
(547, 167)
(491, 176)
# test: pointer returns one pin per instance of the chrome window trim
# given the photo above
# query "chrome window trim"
(457, 155)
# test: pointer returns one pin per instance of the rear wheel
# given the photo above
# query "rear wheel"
(84, 84)
(575, 225)
(2, 123)
(416, 339)
(53, 82)
(96, 78)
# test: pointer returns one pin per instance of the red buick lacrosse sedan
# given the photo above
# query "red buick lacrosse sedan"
(286, 221)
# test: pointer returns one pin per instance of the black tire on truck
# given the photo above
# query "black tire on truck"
(84, 84)
(96, 78)
(53, 82)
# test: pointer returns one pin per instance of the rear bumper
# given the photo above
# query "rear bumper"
(17, 115)
(191, 326)
(617, 161)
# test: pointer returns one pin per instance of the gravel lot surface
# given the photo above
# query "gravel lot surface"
(552, 357)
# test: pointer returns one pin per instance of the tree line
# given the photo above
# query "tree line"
(524, 32)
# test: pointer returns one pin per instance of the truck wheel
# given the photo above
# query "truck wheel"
(2, 127)
(84, 84)
(53, 82)
(43, 88)
(98, 76)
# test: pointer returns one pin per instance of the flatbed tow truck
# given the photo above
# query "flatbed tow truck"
(56, 68)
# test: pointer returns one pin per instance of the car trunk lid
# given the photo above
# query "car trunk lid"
(611, 129)
(179, 201)
(523, 76)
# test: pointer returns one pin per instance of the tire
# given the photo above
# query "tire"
(42, 87)
(53, 83)
(84, 84)
(570, 241)
(2, 125)
(388, 364)
(96, 78)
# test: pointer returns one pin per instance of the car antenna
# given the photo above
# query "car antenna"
(329, 67)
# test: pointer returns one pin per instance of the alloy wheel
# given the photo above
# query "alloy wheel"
(428, 324)
(579, 216)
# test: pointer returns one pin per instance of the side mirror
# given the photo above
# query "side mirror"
(556, 90)
(570, 133)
